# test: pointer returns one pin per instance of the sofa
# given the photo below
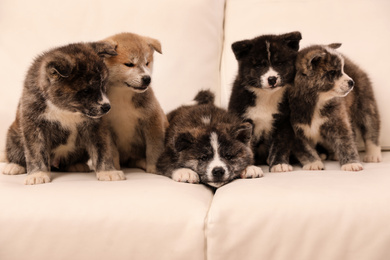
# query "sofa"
(298, 215)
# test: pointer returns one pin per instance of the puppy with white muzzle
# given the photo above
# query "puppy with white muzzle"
(207, 144)
(332, 100)
(58, 120)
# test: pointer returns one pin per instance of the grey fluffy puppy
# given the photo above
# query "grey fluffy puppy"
(58, 123)
(331, 101)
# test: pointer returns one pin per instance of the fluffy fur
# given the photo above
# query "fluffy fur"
(331, 101)
(207, 144)
(58, 121)
(266, 68)
(136, 120)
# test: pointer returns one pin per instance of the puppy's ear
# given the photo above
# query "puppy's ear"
(241, 48)
(313, 60)
(292, 40)
(154, 44)
(104, 49)
(58, 67)
(243, 132)
(334, 45)
(183, 141)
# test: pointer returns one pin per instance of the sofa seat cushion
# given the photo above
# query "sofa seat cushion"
(76, 216)
(303, 215)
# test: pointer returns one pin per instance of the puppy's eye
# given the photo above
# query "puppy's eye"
(228, 156)
(130, 65)
(147, 64)
(332, 73)
(279, 63)
(204, 158)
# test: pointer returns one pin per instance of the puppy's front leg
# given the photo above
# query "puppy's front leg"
(307, 155)
(102, 157)
(37, 152)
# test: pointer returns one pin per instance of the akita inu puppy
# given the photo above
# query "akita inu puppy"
(266, 67)
(136, 119)
(58, 121)
(332, 99)
(207, 144)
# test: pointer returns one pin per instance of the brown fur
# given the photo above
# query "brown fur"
(58, 123)
(331, 101)
(136, 120)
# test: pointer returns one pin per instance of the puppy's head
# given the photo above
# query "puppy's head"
(267, 62)
(217, 155)
(321, 68)
(132, 67)
(73, 78)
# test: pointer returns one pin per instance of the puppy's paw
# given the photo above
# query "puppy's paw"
(37, 178)
(151, 168)
(252, 172)
(79, 167)
(314, 166)
(373, 157)
(141, 164)
(283, 167)
(352, 167)
(13, 169)
(110, 176)
(185, 175)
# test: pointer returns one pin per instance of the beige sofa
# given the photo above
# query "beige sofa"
(298, 215)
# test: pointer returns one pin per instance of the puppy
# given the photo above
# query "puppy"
(265, 69)
(207, 144)
(58, 121)
(136, 119)
(332, 99)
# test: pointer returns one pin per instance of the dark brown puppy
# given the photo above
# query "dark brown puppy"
(207, 144)
(332, 99)
(266, 68)
(58, 121)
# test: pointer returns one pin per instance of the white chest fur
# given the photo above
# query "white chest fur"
(123, 117)
(261, 114)
(69, 121)
(312, 131)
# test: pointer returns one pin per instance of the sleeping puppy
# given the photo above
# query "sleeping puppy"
(207, 144)
(136, 119)
(332, 99)
(58, 120)
(266, 68)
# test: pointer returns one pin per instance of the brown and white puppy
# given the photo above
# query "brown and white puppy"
(207, 144)
(332, 99)
(136, 119)
(266, 69)
(58, 121)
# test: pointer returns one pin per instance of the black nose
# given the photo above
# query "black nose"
(106, 107)
(272, 81)
(146, 80)
(351, 83)
(218, 172)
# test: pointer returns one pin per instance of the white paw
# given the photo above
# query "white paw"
(352, 167)
(13, 169)
(110, 175)
(37, 178)
(79, 167)
(283, 167)
(185, 175)
(314, 166)
(252, 172)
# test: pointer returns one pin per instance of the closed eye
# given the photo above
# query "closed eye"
(130, 65)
